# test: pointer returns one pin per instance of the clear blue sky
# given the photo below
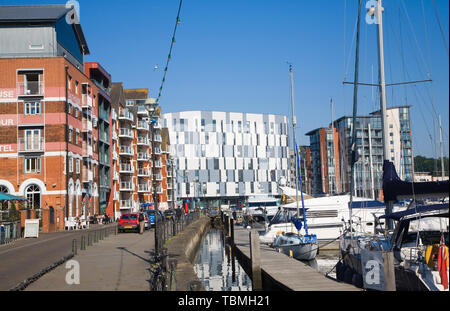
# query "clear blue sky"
(231, 56)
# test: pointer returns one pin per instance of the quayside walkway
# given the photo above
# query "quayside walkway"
(288, 273)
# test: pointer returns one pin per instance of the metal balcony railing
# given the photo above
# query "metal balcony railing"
(143, 172)
(31, 145)
(126, 150)
(126, 204)
(143, 188)
(142, 125)
(30, 88)
(126, 115)
(126, 186)
(142, 156)
(124, 132)
(126, 168)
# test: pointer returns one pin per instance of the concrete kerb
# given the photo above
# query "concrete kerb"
(184, 248)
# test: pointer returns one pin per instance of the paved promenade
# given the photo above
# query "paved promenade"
(117, 263)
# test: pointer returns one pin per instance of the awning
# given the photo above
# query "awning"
(9, 197)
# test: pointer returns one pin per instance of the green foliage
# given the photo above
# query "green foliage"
(430, 165)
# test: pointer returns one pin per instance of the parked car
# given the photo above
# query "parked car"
(151, 217)
(129, 221)
(169, 214)
(147, 222)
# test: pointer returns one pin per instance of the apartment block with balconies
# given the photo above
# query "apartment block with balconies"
(48, 111)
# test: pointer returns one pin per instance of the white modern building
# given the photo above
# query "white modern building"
(226, 155)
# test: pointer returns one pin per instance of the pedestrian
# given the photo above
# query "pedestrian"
(141, 223)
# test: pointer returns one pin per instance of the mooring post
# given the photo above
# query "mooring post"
(255, 257)
(232, 231)
(389, 271)
(74, 246)
(83, 243)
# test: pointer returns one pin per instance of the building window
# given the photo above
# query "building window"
(32, 140)
(129, 103)
(33, 196)
(32, 108)
(76, 138)
(78, 166)
(202, 125)
(70, 165)
(70, 135)
(32, 165)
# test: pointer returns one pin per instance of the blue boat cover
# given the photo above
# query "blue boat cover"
(394, 186)
(367, 204)
(416, 210)
(297, 222)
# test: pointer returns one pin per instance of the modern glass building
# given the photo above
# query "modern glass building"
(228, 156)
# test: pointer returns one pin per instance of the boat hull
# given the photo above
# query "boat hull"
(300, 252)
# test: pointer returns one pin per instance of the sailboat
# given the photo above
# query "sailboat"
(292, 243)
(419, 231)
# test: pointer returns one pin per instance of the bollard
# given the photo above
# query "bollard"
(256, 260)
(83, 243)
(74, 246)
(194, 286)
(173, 279)
(89, 239)
(95, 237)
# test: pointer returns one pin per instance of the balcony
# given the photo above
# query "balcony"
(126, 204)
(143, 188)
(115, 156)
(143, 156)
(31, 145)
(157, 177)
(30, 88)
(157, 125)
(87, 125)
(126, 186)
(114, 135)
(157, 151)
(143, 172)
(86, 101)
(158, 164)
(143, 141)
(142, 125)
(125, 133)
(126, 168)
(157, 138)
(159, 190)
(126, 151)
(142, 111)
(115, 176)
(126, 116)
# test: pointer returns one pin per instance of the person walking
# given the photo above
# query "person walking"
(141, 222)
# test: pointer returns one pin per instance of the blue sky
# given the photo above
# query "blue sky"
(231, 56)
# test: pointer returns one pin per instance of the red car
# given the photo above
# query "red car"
(129, 222)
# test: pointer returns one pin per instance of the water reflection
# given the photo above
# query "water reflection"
(217, 268)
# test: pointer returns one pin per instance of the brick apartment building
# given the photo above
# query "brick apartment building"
(72, 142)
(48, 115)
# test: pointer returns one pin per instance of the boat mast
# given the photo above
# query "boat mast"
(294, 124)
(333, 163)
(378, 13)
(442, 149)
(355, 107)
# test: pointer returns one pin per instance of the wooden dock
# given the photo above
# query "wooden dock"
(287, 273)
